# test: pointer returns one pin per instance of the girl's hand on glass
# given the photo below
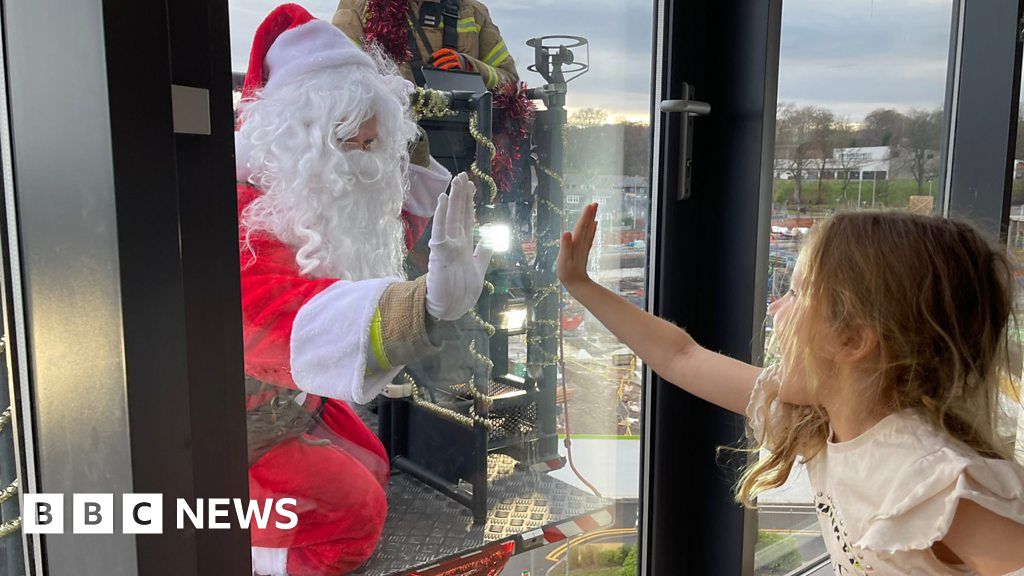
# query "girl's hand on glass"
(574, 249)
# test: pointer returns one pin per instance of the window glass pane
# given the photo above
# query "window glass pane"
(465, 459)
(1014, 427)
(11, 551)
(12, 559)
(859, 126)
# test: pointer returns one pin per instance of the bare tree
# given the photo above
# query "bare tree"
(623, 148)
(918, 149)
(588, 118)
(882, 127)
(793, 148)
(822, 142)
(849, 158)
(811, 140)
(636, 137)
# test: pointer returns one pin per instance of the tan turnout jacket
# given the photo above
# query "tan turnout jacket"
(480, 40)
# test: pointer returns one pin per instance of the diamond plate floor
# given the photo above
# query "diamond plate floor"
(424, 526)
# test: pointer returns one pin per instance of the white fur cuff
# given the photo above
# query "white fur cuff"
(329, 340)
(425, 185)
(269, 561)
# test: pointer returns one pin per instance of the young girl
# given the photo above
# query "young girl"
(892, 340)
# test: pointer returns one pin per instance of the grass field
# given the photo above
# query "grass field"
(595, 571)
(887, 193)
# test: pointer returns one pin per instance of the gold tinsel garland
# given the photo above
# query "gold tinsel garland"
(8, 528)
(428, 103)
(551, 174)
(552, 289)
(471, 391)
(483, 324)
(446, 413)
(474, 129)
(9, 492)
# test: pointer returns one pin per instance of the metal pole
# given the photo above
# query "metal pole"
(542, 343)
(481, 381)
(483, 154)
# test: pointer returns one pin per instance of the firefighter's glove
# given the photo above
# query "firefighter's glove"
(455, 272)
(448, 59)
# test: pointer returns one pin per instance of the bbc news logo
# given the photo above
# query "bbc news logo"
(144, 514)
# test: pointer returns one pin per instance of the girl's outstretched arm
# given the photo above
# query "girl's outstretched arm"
(666, 348)
(987, 542)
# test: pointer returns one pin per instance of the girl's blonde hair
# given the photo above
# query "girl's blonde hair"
(937, 295)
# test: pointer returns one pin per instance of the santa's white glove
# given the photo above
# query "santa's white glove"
(455, 273)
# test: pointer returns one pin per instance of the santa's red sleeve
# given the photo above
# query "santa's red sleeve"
(305, 333)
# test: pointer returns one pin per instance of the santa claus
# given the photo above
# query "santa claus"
(328, 203)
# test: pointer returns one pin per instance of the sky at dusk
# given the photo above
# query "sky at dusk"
(851, 56)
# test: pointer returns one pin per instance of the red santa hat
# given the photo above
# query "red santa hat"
(291, 42)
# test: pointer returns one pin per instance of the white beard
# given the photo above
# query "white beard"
(343, 217)
(363, 231)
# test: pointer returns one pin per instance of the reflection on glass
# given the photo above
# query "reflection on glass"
(11, 552)
(859, 127)
(1011, 401)
(417, 427)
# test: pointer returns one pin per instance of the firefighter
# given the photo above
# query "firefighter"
(446, 34)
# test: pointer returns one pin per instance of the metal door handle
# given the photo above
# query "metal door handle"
(689, 108)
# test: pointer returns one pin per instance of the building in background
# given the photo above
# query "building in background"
(862, 163)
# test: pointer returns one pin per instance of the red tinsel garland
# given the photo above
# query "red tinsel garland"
(511, 124)
(512, 118)
(386, 22)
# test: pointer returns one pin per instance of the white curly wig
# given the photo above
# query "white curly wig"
(340, 210)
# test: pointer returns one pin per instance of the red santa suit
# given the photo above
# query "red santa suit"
(310, 336)
(292, 321)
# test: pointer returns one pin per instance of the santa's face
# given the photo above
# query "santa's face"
(364, 160)
(338, 203)
(355, 207)
(364, 139)
(330, 155)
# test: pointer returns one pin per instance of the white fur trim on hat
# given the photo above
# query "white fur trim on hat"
(315, 45)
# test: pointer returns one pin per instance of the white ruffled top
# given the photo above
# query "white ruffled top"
(886, 496)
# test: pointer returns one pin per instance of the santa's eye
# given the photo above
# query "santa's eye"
(352, 145)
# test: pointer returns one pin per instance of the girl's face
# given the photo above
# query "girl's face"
(781, 310)
(794, 386)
